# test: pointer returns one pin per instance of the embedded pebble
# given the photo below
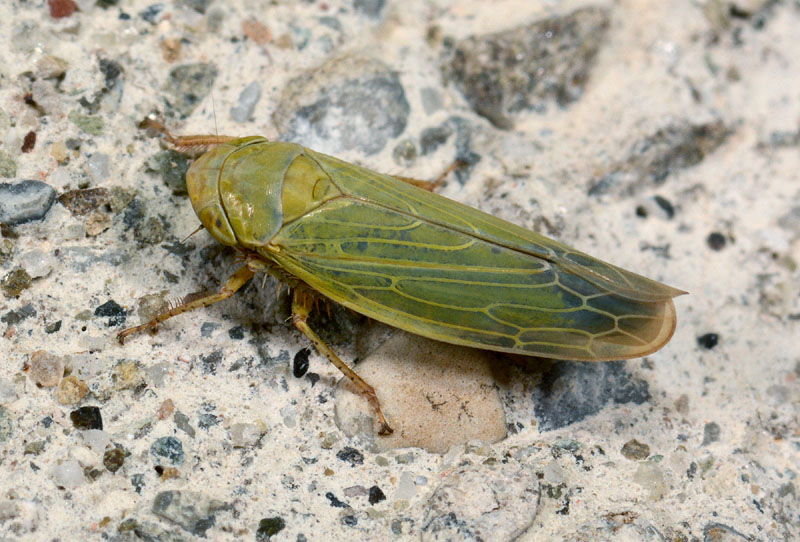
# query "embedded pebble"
(529, 66)
(8, 167)
(571, 391)
(8, 393)
(188, 84)
(96, 439)
(406, 488)
(99, 166)
(14, 282)
(86, 417)
(68, 474)
(71, 390)
(245, 435)
(248, 99)
(654, 157)
(169, 448)
(434, 396)
(25, 201)
(349, 102)
(46, 369)
(113, 459)
(718, 532)
(650, 476)
(84, 201)
(6, 424)
(37, 263)
(191, 510)
(481, 502)
(635, 450)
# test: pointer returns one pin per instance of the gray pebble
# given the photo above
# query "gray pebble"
(68, 474)
(529, 66)
(24, 201)
(347, 103)
(248, 99)
(479, 502)
(190, 510)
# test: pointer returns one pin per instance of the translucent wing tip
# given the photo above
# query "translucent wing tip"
(639, 338)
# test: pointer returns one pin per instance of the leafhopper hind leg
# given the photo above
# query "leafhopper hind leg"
(302, 304)
(236, 281)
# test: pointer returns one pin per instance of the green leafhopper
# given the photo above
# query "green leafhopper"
(412, 259)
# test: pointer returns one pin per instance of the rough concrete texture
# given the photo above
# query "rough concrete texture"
(660, 136)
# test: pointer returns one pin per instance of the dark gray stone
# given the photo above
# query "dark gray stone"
(572, 391)
(188, 85)
(347, 103)
(25, 201)
(653, 158)
(528, 67)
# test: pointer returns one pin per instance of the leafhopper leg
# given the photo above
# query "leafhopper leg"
(188, 143)
(302, 303)
(430, 186)
(236, 281)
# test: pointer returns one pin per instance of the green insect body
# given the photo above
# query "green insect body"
(416, 260)
(421, 262)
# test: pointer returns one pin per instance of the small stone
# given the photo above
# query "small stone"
(248, 99)
(8, 167)
(300, 363)
(87, 417)
(113, 311)
(269, 527)
(500, 500)
(708, 341)
(245, 435)
(71, 390)
(370, 8)
(349, 102)
(530, 66)
(168, 448)
(435, 395)
(635, 450)
(189, 84)
(376, 495)
(99, 167)
(406, 488)
(51, 67)
(716, 241)
(8, 392)
(37, 263)
(97, 223)
(172, 167)
(82, 202)
(350, 455)
(68, 474)
(405, 153)
(165, 409)
(190, 510)
(88, 124)
(60, 9)
(711, 433)
(570, 391)
(717, 532)
(46, 369)
(650, 476)
(24, 201)
(15, 281)
(126, 375)
(97, 440)
(114, 459)
(6, 424)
